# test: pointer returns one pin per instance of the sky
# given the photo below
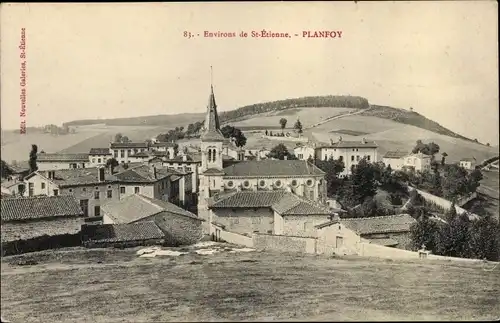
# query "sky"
(96, 60)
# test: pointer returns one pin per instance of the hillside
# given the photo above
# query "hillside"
(112, 285)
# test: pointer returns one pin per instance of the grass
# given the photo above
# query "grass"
(72, 286)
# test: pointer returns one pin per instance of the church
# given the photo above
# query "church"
(273, 187)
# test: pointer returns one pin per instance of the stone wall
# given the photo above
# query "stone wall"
(284, 243)
(232, 237)
(178, 229)
(245, 220)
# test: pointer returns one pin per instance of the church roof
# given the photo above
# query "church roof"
(212, 125)
(270, 167)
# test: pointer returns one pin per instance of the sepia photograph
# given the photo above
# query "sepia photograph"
(249, 161)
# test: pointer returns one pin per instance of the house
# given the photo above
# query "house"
(156, 182)
(180, 227)
(122, 150)
(13, 186)
(99, 156)
(417, 162)
(90, 186)
(230, 149)
(344, 234)
(298, 176)
(167, 147)
(37, 223)
(304, 152)
(189, 164)
(277, 212)
(122, 235)
(18, 171)
(395, 159)
(57, 161)
(349, 152)
(468, 163)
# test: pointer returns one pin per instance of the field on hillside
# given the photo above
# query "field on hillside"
(307, 116)
(119, 286)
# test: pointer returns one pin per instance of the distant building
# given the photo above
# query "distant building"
(349, 152)
(418, 162)
(468, 163)
(181, 227)
(37, 223)
(90, 186)
(58, 161)
(121, 151)
(99, 156)
(395, 159)
(304, 152)
(13, 186)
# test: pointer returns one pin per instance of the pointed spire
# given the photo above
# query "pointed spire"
(212, 124)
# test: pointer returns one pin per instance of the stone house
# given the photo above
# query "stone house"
(90, 186)
(121, 151)
(395, 159)
(344, 234)
(58, 161)
(468, 163)
(122, 235)
(417, 162)
(278, 212)
(349, 152)
(99, 156)
(13, 186)
(37, 223)
(180, 227)
(303, 152)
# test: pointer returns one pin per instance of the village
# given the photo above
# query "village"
(336, 198)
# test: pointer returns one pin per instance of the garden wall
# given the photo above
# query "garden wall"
(284, 243)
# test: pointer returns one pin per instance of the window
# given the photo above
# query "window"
(339, 241)
(129, 152)
(352, 158)
(30, 189)
(246, 184)
(43, 186)
(189, 169)
(310, 182)
(56, 192)
(122, 189)
(122, 153)
(96, 195)
(136, 190)
(98, 160)
(230, 184)
(294, 183)
(70, 190)
(110, 194)
(93, 160)
(301, 156)
(84, 205)
(97, 210)
(278, 183)
(262, 183)
(256, 220)
(353, 149)
(368, 157)
(357, 158)
(341, 158)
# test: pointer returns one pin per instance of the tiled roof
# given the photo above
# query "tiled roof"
(163, 144)
(22, 167)
(213, 171)
(77, 176)
(24, 230)
(30, 208)
(120, 168)
(395, 154)
(125, 145)
(10, 183)
(379, 224)
(468, 159)
(351, 144)
(136, 207)
(44, 157)
(144, 174)
(142, 154)
(285, 203)
(273, 168)
(122, 232)
(99, 151)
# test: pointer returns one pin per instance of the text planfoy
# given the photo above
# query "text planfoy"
(269, 34)
(322, 34)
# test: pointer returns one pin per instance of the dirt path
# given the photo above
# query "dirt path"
(337, 117)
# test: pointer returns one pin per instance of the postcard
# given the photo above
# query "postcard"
(249, 161)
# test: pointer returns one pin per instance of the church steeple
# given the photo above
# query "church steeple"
(212, 126)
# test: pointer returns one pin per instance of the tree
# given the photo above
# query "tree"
(112, 163)
(443, 158)
(332, 168)
(298, 126)
(176, 149)
(33, 157)
(118, 137)
(125, 139)
(454, 181)
(473, 180)
(283, 122)
(454, 236)
(5, 170)
(280, 152)
(429, 149)
(234, 133)
(424, 232)
(363, 180)
(484, 242)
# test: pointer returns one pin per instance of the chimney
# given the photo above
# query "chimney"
(153, 170)
(363, 140)
(184, 157)
(285, 157)
(50, 174)
(100, 174)
(331, 141)
(340, 138)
